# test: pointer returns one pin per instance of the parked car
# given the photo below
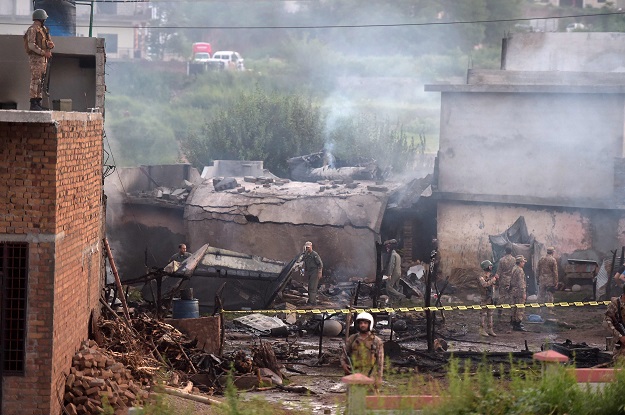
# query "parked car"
(231, 59)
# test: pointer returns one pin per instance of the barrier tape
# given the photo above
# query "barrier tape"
(420, 309)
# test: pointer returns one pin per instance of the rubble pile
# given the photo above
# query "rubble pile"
(96, 377)
(169, 195)
(148, 345)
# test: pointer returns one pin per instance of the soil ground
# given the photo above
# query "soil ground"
(577, 324)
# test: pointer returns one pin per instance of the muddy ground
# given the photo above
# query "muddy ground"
(412, 371)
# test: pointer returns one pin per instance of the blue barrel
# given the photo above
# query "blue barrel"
(185, 308)
(61, 16)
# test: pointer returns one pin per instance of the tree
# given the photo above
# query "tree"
(259, 126)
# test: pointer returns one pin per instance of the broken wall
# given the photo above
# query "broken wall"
(275, 223)
(463, 230)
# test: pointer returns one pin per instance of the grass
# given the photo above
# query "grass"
(526, 391)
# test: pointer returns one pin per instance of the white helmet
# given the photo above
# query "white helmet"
(365, 316)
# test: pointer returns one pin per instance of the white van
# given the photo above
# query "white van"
(231, 59)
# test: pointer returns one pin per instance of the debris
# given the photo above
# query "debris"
(377, 188)
(187, 395)
(224, 183)
(260, 322)
(94, 374)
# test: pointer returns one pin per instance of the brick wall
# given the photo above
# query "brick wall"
(51, 167)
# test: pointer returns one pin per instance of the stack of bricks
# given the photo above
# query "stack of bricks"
(96, 378)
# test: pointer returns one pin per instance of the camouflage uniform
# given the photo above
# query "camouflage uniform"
(486, 281)
(611, 321)
(366, 354)
(312, 265)
(547, 278)
(393, 270)
(518, 287)
(504, 270)
(179, 257)
(37, 38)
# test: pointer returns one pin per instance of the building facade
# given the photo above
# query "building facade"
(541, 138)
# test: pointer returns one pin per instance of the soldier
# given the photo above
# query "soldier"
(313, 269)
(435, 261)
(364, 351)
(614, 322)
(487, 281)
(504, 270)
(181, 255)
(547, 277)
(38, 45)
(518, 287)
(393, 270)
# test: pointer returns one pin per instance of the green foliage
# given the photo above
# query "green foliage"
(259, 126)
(528, 391)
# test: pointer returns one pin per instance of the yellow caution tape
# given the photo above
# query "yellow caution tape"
(421, 309)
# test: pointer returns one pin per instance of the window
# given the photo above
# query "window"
(13, 283)
(110, 42)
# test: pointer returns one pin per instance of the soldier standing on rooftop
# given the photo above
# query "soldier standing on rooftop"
(39, 45)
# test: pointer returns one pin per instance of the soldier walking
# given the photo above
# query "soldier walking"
(393, 270)
(39, 47)
(547, 277)
(518, 290)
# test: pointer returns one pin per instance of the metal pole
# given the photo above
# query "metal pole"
(91, 20)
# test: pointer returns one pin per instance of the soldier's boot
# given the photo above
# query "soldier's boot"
(34, 105)
(482, 324)
(490, 330)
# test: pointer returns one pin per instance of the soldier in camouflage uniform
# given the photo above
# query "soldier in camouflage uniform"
(38, 46)
(504, 270)
(364, 351)
(393, 270)
(487, 281)
(313, 269)
(518, 287)
(547, 277)
(613, 321)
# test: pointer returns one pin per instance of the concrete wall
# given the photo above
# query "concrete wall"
(463, 230)
(76, 72)
(549, 146)
(51, 167)
(575, 51)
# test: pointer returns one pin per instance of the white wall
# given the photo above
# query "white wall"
(553, 146)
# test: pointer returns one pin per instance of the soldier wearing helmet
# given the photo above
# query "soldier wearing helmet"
(364, 351)
(487, 281)
(39, 45)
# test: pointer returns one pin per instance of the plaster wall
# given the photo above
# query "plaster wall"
(345, 251)
(553, 146)
(463, 230)
(76, 72)
(575, 51)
